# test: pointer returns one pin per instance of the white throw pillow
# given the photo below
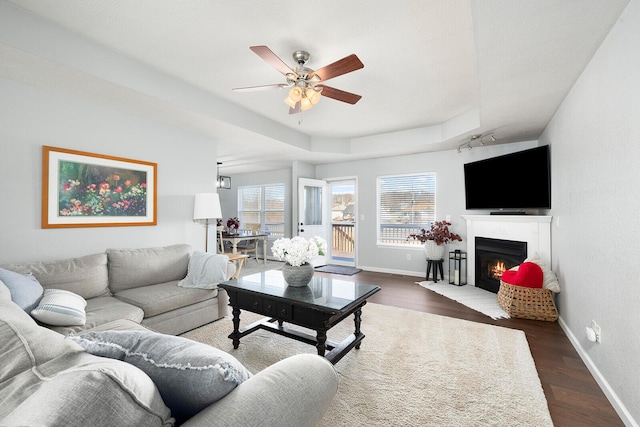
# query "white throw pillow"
(61, 308)
(549, 281)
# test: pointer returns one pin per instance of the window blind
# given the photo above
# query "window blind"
(406, 203)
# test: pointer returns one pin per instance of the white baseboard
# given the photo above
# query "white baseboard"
(418, 274)
(619, 407)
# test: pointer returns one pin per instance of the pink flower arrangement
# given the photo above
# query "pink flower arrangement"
(438, 232)
(233, 223)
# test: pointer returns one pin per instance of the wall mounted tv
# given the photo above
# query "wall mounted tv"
(511, 182)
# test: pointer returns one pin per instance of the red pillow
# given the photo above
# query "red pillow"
(528, 275)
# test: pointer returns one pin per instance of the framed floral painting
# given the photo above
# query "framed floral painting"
(82, 189)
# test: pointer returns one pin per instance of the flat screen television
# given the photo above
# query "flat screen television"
(511, 182)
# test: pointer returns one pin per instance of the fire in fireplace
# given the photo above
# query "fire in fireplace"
(496, 269)
(494, 257)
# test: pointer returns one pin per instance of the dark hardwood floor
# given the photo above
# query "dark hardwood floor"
(573, 396)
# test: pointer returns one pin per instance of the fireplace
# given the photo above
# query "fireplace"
(495, 256)
(535, 230)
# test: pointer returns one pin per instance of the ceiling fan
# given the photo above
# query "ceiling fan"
(306, 85)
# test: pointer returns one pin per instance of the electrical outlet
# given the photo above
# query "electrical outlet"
(597, 330)
(408, 257)
(447, 218)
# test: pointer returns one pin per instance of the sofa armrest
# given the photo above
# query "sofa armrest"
(294, 392)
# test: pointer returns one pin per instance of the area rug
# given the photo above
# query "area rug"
(413, 369)
(475, 298)
(338, 269)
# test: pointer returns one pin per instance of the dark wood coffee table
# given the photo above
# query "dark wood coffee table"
(321, 305)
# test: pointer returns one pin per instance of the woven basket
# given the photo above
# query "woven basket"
(527, 303)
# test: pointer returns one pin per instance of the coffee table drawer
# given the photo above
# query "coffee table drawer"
(250, 302)
(275, 309)
(265, 306)
(284, 311)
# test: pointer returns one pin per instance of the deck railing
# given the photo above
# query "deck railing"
(397, 233)
(343, 237)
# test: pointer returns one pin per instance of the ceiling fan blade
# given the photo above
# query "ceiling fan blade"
(339, 95)
(257, 88)
(271, 58)
(295, 110)
(340, 67)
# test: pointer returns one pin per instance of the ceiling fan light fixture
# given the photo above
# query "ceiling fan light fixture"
(290, 102)
(301, 81)
(313, 95)
(305, 104)
(291, 78)
(295, 93)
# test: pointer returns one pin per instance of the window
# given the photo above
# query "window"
(406, 203)
(263, 205)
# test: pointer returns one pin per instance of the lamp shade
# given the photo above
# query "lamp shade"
(207, 206)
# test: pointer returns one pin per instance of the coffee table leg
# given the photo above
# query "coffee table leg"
(235, 335)
(357, 320)
(321, 338)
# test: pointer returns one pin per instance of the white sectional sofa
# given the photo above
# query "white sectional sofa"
(133, 284)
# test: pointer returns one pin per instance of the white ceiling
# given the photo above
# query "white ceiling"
(435, 71)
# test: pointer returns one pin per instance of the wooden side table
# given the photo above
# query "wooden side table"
(436, 265)
(238, 260)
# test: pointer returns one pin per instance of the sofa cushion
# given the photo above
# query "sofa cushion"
(97, 392)
(17, 329)
(47, 380)
(5, 294)
(61, 308)
(25, 289)
(189, 375)
(528, 275)
(103, 310)
(549, 279)
(85, 276)
(132, 268)
(164, 297)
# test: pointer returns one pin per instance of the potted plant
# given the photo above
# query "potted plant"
(298, 253)
(219, 226)
(233, 224)
(435, 238)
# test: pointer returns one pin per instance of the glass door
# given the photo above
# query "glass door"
(343, 222)
(312, 216)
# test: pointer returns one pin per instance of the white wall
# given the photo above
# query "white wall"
(31, 118)
(50, 97)
(229, 198)
(448, 166)
(595, 149)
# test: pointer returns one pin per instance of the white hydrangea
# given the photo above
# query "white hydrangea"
(298, 250)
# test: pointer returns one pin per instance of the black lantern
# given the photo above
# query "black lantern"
(458, 268)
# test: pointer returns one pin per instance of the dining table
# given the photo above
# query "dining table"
(236, 238)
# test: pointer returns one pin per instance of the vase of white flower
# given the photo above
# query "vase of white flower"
(297, 276)
(298, 253)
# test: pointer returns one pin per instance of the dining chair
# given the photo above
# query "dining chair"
(250, 246)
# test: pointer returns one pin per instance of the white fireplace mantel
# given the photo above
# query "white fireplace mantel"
(533, 229)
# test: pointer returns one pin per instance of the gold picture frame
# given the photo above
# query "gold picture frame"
(81, 189)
